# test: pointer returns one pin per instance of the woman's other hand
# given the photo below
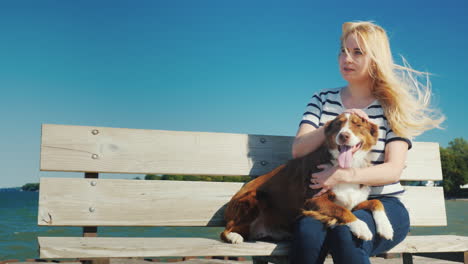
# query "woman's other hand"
(325, 179)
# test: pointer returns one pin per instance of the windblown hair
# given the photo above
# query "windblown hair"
(405, 100)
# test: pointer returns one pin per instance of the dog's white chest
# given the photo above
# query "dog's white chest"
(350, 195)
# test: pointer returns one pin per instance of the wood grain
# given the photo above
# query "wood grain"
(110, 202)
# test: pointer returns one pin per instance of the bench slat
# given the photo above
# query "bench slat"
(432, 244)
(74, 247)
(426, 205)
(115, 150)
(111, 202)
(118, 150)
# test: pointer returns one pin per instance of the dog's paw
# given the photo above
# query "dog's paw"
(383, 225)
(234, 238)
(360, 229)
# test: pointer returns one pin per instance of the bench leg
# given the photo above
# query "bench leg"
(465, 257)
(407, 258)
(270, 259)
(257, 260)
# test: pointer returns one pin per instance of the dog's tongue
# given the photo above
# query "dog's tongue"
(345, 157)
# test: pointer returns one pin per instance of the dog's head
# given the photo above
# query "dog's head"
(349, 139)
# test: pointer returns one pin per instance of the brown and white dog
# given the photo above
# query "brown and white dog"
(266, 207)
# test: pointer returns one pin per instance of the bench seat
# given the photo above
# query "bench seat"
(100, 247)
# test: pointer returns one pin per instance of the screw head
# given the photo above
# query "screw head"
(92, 209)
(95, 132)
(263, 162)
(262, 140)
(94, 156)
(93, 183)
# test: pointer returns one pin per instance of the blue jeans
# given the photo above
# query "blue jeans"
(312, 241)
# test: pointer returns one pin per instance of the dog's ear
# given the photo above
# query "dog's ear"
(374, 130)
(328, 126)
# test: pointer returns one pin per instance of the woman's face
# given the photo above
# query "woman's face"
(355, 63)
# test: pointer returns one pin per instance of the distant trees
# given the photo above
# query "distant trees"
(198, 178)
(30, 187)
(454, 166)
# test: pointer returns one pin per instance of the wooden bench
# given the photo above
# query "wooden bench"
(90, 202)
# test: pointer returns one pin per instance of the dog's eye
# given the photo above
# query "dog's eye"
(358, 124)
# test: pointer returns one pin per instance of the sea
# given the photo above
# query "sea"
(19, 229)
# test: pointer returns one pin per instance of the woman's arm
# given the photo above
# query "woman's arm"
(308, 139)
(386, 173)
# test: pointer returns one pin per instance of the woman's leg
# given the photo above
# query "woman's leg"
(346, 248)
(308, 242)
(399, 217)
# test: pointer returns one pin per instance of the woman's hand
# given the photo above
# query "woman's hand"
(358, 112)
(326, 179)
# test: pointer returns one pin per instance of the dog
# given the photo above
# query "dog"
(266, 207)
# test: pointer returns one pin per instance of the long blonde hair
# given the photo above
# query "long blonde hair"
(405, 100)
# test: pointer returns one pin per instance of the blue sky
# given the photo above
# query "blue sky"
(207, 65)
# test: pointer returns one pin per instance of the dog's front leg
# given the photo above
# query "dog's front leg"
(328, 212)
(383, 225)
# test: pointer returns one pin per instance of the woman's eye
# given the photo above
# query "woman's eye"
(357, 52)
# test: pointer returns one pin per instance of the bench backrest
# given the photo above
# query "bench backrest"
(112, 202)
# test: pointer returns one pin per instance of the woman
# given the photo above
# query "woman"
(388, 95)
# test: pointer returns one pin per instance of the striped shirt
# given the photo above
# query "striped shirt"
(326, 105)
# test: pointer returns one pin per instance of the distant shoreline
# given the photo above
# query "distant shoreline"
(11, 189)
(457, 199)
(28, 187)
(15, 189)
